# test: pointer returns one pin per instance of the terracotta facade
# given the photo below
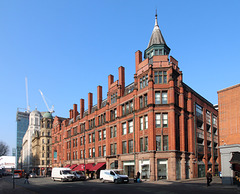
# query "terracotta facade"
(157, 125)
(229, 134)
(228, 103)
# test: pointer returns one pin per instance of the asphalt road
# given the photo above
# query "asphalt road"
(46, 185)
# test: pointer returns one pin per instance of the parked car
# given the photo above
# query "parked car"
(33, 175)
(79, 176)
(62, 174)
(16, 176)
(113, 176)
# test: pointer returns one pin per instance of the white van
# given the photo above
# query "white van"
(62, 174)
(113, 175)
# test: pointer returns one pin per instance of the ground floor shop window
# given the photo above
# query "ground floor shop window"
(201, 169)
(128, 168)
(162, 169)
(114, 165)
(145, 172)
(144, 169)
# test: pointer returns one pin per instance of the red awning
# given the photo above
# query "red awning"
(97, 166)
(89, 166)
(73, 166)
(80, 167)
(67, 166)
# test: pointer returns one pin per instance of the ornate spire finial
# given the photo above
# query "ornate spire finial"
(156, 22)
(156, 41)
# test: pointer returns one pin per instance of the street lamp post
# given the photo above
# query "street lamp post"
(13, 178)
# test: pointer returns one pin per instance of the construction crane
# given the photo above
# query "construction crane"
(50, 110)
(26, 84)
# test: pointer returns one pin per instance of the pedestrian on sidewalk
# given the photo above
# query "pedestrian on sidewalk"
(209, 176)
(26, 175)
(138, 177)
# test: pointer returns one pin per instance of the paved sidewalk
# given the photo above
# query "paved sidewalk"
(199, 182)
(216, 183)
(6, 187)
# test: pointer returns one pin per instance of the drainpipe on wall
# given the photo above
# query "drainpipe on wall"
(196, 154)
(94, 140)
(70, 146)
(213, 154)
(84, 151)
(194, 108)
(134, 135)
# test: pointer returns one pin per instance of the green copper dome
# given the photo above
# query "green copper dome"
(47, 115)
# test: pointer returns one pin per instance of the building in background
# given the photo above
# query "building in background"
(36, 152)
(13, 151)
(41, 146)
(22, 119)
(57, 152)
(7, 163)
(229, 133)
(34, 125)
(156, 125)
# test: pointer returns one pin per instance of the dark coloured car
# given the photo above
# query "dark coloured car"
(79, 176)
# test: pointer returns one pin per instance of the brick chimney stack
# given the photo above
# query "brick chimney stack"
(110, 80)
(75, 113)
(138, 59)
(99, 96)
(121, 73)
(71, 113)
(90, 102)
(81, 107)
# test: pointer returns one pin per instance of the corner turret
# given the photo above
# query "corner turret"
(157, 44)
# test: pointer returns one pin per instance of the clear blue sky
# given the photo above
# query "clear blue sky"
(67, 48)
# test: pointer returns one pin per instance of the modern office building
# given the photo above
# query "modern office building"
(22, 119)
(229, 134)
(156, 125)
(41, 146)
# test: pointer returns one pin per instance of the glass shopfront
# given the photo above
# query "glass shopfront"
(162, 169)
(128, 168)
(144, 169)
(201, 169)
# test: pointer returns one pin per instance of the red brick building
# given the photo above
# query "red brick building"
(156, 125)
(229, 133)
(229, 103)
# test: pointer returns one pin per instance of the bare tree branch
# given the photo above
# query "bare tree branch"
(4, 149)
